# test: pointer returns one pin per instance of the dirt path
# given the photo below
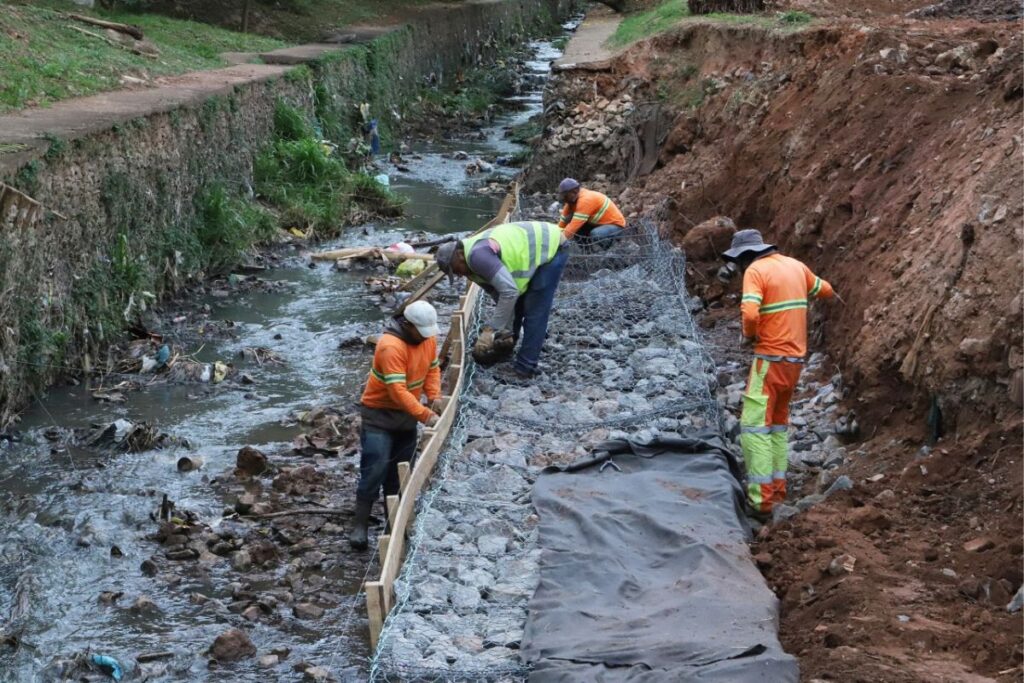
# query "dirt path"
(589, 43)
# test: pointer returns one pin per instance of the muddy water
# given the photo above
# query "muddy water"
(62, 510)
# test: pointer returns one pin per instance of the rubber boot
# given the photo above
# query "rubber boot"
(357, 537)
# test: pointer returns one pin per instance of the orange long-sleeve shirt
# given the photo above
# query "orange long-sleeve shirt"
(401, 372)
(591, 208)
(775, 293)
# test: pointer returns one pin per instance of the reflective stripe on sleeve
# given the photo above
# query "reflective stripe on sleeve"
(394, 378)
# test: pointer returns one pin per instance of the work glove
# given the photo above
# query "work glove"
(747, 341)
(483, 349)
(485, 340)
(503, 343)
(437, 405)
(432, 420)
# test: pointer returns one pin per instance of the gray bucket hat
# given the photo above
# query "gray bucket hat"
(744, 241)
(443, 258)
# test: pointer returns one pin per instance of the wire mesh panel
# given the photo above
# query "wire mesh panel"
(622, 358)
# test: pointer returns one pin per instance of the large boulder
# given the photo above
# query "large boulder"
(232, 645)
(706, 241)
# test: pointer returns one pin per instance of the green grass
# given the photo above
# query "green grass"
(44, 59)
(645, 24)
(672, 12)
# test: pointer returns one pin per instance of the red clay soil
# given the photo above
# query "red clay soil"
(889, 159)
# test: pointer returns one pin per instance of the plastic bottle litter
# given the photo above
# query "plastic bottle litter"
(109, 666)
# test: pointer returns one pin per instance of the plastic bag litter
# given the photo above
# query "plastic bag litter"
(410, 268)
(383, 179)
(109, 666)
(220, 371)
(401, 248)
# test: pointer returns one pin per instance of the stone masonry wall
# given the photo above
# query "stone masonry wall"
(125, 196)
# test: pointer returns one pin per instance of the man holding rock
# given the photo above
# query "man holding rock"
(776, 290)
(405, 366)
(590, 215)
(520, 266)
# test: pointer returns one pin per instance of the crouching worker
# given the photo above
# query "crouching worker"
(776, 290)
(405, 367)
(520, 266)
(589, 216)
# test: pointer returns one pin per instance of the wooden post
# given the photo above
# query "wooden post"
(246, 10)
(375, 610)
(403, 476)
(392, 502)
(382, 548)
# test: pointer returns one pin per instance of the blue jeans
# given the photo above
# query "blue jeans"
(380, 453)
(600, 236)
(533, 309)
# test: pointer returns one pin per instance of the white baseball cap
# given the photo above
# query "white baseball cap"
(423, 316)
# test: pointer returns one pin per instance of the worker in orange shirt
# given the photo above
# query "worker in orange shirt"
(589, 216)
(405, 367)
(776, 290)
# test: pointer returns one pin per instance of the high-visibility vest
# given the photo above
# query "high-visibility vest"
(525, 247)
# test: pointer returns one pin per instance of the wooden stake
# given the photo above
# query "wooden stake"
(375, 610)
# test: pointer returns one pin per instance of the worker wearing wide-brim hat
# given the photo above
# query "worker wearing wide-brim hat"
(776, 291)
(519, 265)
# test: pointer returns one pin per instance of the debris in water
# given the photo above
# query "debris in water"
(130, 437)
(262, 356)
(109, 666)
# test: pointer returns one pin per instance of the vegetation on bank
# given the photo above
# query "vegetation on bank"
(308, 182)
(47, 56)
(669, 13)
(293, 20)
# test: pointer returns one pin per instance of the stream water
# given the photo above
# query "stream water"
(63, 510)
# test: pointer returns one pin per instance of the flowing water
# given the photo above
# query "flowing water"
(62, 510)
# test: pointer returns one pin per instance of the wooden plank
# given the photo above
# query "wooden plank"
(369, 253)
(422, 291)
(382, 548)
(375, 610)
(403, 476)
(415, 282)
(392, 503)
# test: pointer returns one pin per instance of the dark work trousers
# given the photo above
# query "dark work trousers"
(380, 452)
(533, 309)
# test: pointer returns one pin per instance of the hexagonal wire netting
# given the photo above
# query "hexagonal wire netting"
(622, 358)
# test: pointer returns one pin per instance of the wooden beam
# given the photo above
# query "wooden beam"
(403, 476)
(133, 31)
(382, 548)
(392, 503)
(375, 610)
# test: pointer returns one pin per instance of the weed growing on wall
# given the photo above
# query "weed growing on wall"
(227, 226)
(309, 184)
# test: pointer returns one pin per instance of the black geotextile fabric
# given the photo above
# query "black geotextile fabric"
(645, 572)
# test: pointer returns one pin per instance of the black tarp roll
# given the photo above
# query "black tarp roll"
(645, 571)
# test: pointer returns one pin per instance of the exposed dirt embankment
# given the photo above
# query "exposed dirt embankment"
(889, 159)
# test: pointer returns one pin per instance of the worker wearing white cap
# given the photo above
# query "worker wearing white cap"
(405, 368)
